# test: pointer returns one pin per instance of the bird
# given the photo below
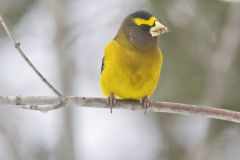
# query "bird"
(132, 60)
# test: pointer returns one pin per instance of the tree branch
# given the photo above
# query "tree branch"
(45, 104)
(17, 46)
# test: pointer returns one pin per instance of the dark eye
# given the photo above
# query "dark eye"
(145, 27)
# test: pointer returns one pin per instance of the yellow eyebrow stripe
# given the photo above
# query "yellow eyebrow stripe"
(140, 21)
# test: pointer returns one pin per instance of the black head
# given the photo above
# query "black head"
(141, 29)
(141, 14)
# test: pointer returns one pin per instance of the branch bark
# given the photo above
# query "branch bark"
(66, 64)
(45, 104)
(17, 46)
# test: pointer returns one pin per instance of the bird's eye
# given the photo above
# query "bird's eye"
(145, 27)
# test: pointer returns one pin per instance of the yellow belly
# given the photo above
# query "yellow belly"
(129, 74)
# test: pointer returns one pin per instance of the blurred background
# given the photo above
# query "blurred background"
(65, 40)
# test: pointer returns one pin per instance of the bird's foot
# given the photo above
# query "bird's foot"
(111, 101)
(146, 103)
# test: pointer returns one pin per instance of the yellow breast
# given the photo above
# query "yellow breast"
(129, 74)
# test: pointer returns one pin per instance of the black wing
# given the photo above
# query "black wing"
(102, 67)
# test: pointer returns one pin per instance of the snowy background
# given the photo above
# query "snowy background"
(65, 40)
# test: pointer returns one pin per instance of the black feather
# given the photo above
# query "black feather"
(141, 14)
(102, 67)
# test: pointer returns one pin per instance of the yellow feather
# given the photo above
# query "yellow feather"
(149, 22)
(129, 74)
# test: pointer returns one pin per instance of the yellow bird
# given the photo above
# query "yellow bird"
(132, 60)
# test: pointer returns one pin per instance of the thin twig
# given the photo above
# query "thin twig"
(17, 46)
(51, 103)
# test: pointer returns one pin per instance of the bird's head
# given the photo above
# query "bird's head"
(141, 29)
(148, 23)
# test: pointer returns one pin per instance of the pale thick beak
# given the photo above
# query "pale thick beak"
(158, 29)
